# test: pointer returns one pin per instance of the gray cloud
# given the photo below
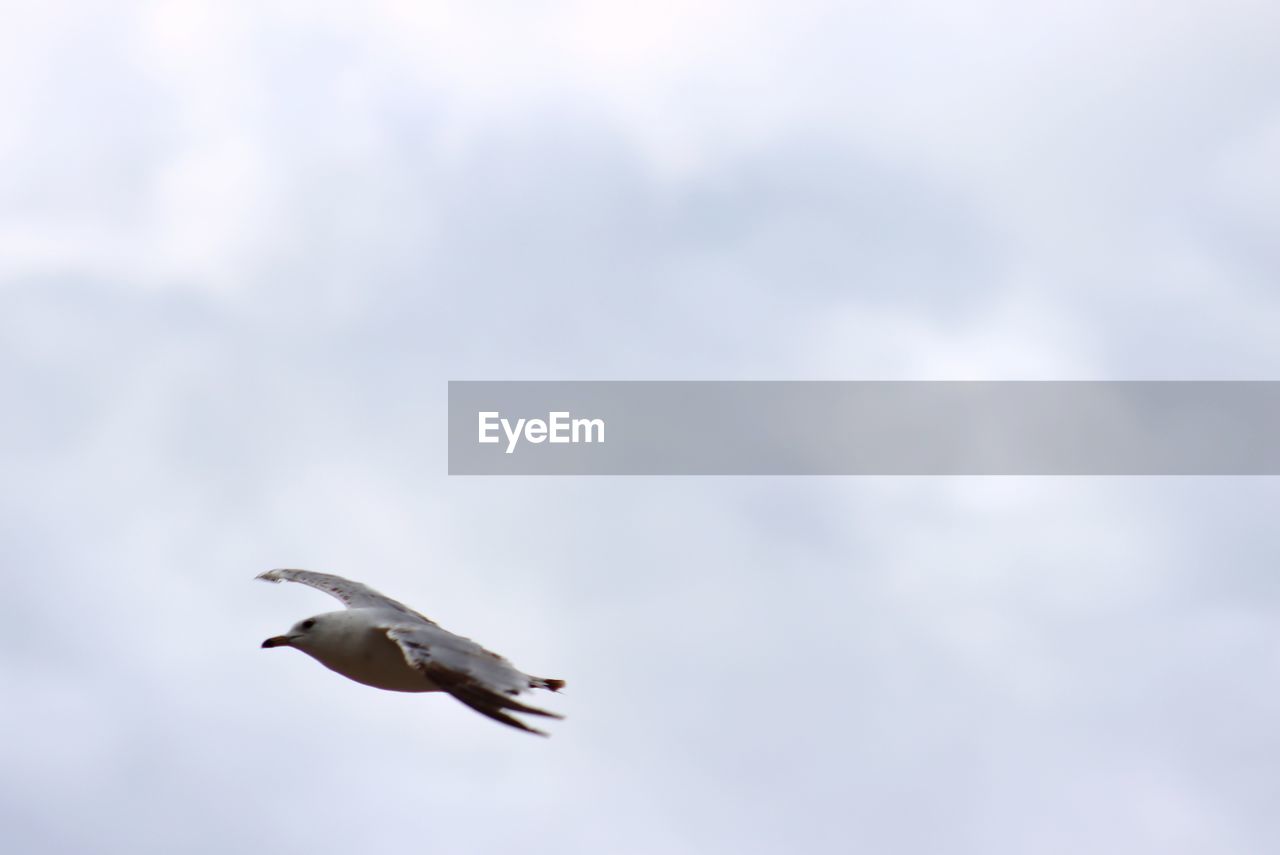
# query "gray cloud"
(243, 254)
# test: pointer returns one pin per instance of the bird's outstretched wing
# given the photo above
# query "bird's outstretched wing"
(479, 678)
(352, 594)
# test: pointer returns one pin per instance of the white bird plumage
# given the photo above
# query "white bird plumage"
(385, 644)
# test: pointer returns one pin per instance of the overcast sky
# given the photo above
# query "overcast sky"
(244, 246)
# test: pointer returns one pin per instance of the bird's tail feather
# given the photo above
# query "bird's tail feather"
(548, 683)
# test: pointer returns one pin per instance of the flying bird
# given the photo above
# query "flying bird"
(381, 643)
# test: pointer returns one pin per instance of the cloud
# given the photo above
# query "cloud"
(243, 248)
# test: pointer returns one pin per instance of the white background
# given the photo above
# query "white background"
(243, 247)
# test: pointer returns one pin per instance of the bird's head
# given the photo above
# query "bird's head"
(301, 635)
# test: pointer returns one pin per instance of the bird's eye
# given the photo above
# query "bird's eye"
(308, 623)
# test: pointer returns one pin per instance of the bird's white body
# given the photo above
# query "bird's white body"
(355, 644)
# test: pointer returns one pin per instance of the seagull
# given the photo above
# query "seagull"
(381, 643)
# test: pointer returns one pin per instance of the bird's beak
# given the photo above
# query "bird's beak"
(277, 641)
